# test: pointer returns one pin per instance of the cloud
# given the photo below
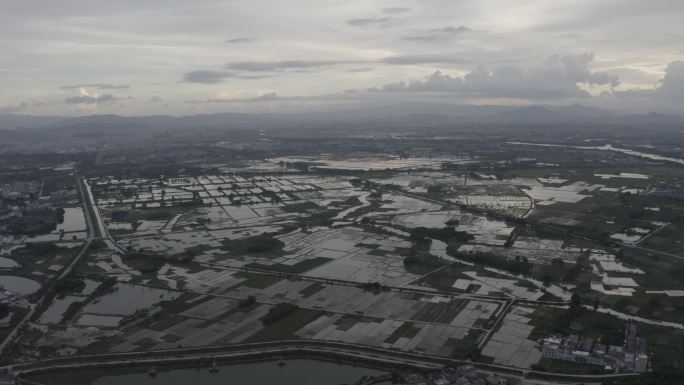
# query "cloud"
(602, 78)
(670, 86)
(267, 97)
(88, 99)
(370, 21)
(358, 70)
(395, 10)
(207, 76)
(99, 86)
(437, 34)
(673, 82)
(155, 99)
(13, 109)
(276, 66)
(239, 40)
(423, 59)
(557, 77)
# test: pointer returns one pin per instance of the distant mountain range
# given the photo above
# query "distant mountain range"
(427, 114)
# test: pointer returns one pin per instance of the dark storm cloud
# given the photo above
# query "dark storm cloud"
(437, 34)
(557, 77)
(87, 99)
(275, 66)
(99, 86)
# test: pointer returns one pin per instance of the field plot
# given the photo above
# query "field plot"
(510, 345)
(498, 196)
(420, 323)
(484, 230)
(157, 217)
(353, 255)
(535, 250)
(571, 193)
(368, 163)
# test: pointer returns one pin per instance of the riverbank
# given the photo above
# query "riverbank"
(256, 371)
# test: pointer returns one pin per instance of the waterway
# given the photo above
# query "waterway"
(299, 371)
(127, 299)
(6, 263)
(609, 147)
(74, 220)
(21, 285)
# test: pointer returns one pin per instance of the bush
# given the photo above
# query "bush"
(247, 302)
(73, 285)
(445, 234)
(278, 312)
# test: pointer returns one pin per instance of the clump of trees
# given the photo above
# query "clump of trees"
(259, 244)
(278, 312)
(247, 302)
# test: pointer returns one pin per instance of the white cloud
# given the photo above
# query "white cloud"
(556, 77)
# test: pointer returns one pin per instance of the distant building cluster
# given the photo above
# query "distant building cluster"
(665, 192)
(7, 297)
(632, 356)
(20, 190)
(463, 375)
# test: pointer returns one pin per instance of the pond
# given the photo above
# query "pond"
(6, 263)
(54, 313)
(127, 299)
(300, 372)
(21, 285)
(73, 220)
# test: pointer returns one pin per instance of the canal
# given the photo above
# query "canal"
(295, 371)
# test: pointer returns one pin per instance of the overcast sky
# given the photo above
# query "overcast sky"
(137, 57)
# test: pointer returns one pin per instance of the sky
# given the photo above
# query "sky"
(179, 57)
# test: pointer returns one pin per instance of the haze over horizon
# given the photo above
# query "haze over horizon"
(131, 58)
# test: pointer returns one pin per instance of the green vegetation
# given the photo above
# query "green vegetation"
(254, 245)
(145, 344)
(247, 302)
(284, 323)
(144, 263)
(665, 377)
(519, 265)
(278, 312)
(312, 289)
(300, 207)
(148, 214)
(406, 330)
(257, 281)
(446, 234)
(67, 286)
(466, 348)
(561, 366)
(418, 259)
(297, 268)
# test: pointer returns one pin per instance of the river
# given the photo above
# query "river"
(298, 371)
(609, 147)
